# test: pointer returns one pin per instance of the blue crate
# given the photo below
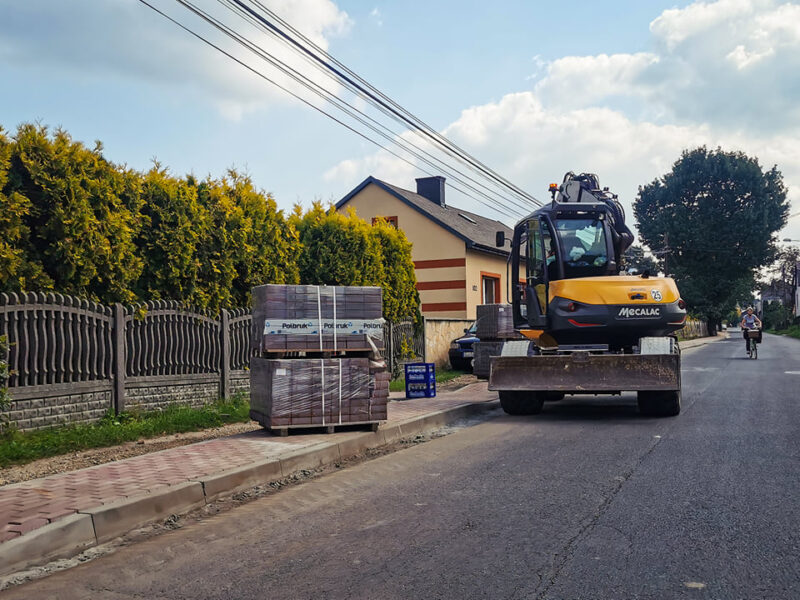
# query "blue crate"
(420, 380)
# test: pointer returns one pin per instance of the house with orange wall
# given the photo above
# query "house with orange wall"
(457, 263)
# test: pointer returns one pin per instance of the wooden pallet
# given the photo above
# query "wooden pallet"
(283, 430)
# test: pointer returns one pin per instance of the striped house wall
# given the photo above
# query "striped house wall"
(442, 286)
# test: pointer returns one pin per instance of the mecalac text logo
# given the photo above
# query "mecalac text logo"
(639, 312)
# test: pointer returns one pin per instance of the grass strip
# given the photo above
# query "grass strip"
(792, 331)
(17, 447)
(442, 375)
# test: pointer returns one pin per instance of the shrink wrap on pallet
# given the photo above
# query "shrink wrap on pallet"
(296, 318)
(495, 322)
(316, 392)
(483, 353)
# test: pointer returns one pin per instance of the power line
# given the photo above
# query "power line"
(500, 208)
(502, 195)
(369, 91)
(354, 112)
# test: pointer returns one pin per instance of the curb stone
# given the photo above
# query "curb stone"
(66, 537)
(71, 535)
(117, 518)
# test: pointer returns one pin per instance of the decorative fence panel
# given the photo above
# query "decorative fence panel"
(403, 344)
(56, 339)
(693, 329)
(72, 360)
(162, 338)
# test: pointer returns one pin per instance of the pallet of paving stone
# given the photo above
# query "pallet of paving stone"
(495, 322)
(317, 393)
(311, 318)
(481, 361)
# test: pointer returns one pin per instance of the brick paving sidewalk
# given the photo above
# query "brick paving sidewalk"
(27, 506)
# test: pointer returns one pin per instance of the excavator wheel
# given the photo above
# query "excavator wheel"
(660, 404)
(521, 402)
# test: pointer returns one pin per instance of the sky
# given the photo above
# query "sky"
(531, 88)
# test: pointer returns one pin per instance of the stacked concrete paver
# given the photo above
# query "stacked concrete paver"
(318, 360)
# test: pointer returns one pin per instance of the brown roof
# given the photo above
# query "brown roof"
(478, 232)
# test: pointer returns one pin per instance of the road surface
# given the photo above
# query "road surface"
(586, 500)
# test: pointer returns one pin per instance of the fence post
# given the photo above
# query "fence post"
(225, 367)
(424, 339)
(119, 358)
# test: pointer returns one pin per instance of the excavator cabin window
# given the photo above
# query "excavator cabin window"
(584, 249)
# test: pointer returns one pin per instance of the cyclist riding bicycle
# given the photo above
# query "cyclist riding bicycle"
(750, 321)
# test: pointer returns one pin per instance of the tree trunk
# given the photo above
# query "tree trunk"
(711, 324)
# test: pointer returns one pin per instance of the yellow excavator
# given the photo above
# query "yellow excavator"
(587, 325)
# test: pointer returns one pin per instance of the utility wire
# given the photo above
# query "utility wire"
(338, 102)
(502, 197)
(346, 74)
(419, 127)
(354, 113)
(501, 209)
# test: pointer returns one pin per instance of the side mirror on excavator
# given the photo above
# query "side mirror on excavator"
(500, 239)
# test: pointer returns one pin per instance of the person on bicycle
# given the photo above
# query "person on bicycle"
(749, 321)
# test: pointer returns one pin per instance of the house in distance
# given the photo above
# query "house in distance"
(457, 263)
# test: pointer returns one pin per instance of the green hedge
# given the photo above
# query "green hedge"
(73, 222)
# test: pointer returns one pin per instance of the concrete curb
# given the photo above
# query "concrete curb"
(71, 535)
(117, 518)
(697, 342)
(64, 538)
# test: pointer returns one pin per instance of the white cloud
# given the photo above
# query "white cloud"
(377, 16)
(734, 64)
(126, 40)
(585, 80)
(725, 73)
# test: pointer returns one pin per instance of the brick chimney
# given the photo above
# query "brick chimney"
(432, 188)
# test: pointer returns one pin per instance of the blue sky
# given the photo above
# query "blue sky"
(531, 88)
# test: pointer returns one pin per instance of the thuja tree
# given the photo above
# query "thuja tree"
(17, 270)
(81, 215)
(337, 249)
(173, 224)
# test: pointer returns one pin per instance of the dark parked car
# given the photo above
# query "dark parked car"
(461, 350)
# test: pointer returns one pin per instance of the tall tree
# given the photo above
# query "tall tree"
(717, 212)
(82, 216)
(337, 249)
(173, 224)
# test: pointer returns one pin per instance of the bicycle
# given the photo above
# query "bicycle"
(755, 337)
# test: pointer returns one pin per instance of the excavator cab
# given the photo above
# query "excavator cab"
(564, 244)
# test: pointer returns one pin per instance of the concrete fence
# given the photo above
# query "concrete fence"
(71, 360)
(439, 333)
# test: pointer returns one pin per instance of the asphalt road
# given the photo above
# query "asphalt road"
(587, 500)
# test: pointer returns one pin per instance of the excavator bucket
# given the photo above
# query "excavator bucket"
(582, 372)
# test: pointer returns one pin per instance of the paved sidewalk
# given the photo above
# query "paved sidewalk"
(28, 506)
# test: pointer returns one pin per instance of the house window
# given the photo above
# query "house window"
(490, 288)
(390, 220)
